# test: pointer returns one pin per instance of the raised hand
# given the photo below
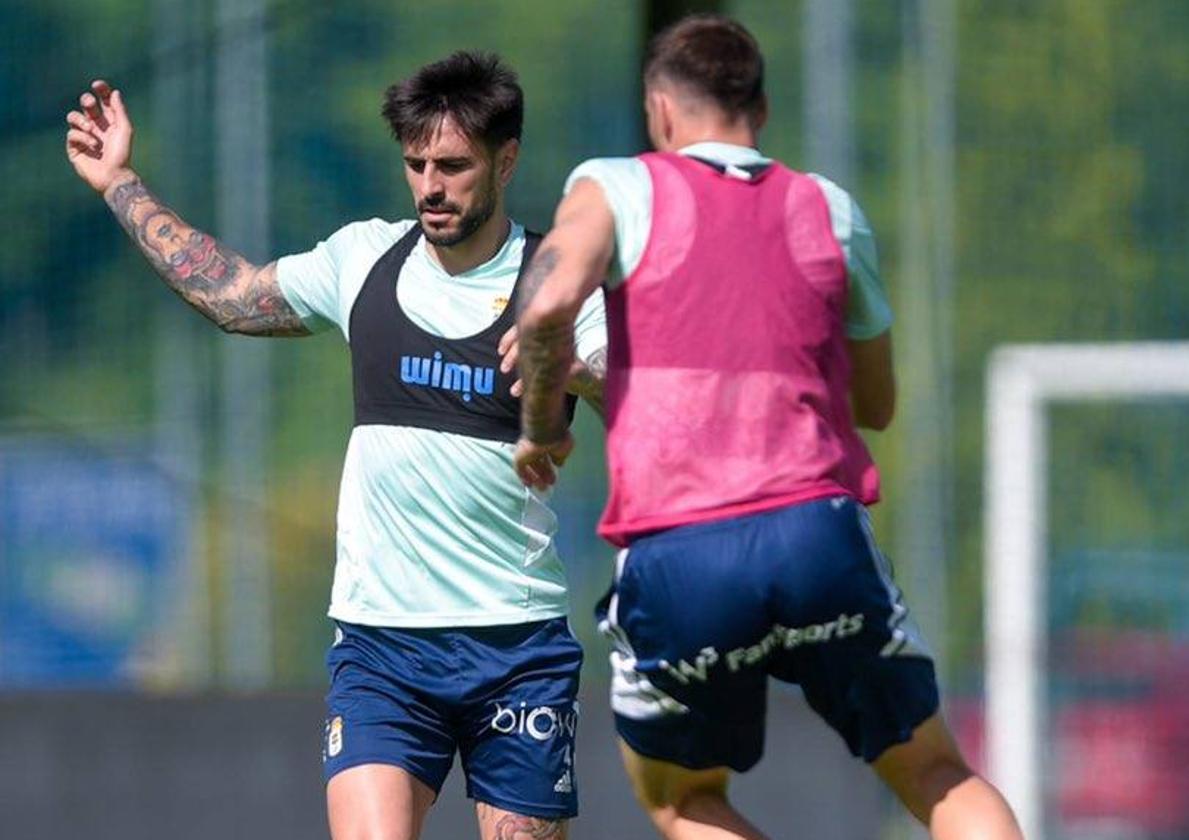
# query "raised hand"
(99, 140)
(235, 294)
(586, 378)
(509, 350)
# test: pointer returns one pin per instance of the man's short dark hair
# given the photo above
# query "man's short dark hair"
(713, 57)
(476, 89)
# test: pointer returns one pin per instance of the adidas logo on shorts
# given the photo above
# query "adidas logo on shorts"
(565, 784)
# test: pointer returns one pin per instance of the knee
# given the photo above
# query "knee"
(943, 772)
(953, 801)
(672, 796)
(924, 784)
(922, 770)
(678, 807)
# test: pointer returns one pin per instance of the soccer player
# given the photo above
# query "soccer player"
(748, 337)
(449, 599)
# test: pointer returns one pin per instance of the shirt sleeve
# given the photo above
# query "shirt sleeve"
(627, 187)
(590, 330)
(313, 282)
(868, 312)
(310, 282)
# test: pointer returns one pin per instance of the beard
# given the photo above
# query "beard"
(468, 223)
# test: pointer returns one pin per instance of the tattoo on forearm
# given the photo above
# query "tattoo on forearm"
(516, 827)
(215, 280)
(546, 351)
(541, 267)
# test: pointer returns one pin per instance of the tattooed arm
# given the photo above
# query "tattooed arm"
(236, 295)
(569, 266)
(219, 283)
(546, 352)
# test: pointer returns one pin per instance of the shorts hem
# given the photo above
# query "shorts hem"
(902, 736)
(523, 810)
(359, 761)
(685, 764)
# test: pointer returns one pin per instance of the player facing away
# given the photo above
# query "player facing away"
(449, 600)
(747, 337)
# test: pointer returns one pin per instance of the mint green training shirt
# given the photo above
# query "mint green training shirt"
(434, 529)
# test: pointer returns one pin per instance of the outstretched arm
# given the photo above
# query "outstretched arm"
(569, 266)
(235, 294)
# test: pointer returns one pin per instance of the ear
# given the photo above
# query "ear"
(760, 118)
(659, 110)
(505, 160)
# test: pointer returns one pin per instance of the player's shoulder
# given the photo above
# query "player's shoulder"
(610, 171)
(370, 233)
(617, 164)
(832, 191)
(848, 217)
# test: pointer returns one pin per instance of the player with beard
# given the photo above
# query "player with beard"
(449, 600)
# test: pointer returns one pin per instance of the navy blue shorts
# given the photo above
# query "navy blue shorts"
(700, 616)
(504, 698)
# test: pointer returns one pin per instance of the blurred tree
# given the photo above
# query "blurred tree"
(1067, 230)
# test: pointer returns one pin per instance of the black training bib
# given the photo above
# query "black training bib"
(406, 376)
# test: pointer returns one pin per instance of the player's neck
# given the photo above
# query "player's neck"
(739, 133)
(477, 248)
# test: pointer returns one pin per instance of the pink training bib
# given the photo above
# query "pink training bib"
(728, 374)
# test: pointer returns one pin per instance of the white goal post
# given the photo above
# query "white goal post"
(1023, 380)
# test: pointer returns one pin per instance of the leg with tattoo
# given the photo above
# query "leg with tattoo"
(498, 824)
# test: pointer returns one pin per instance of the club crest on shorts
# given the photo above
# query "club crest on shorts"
(334, 736)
